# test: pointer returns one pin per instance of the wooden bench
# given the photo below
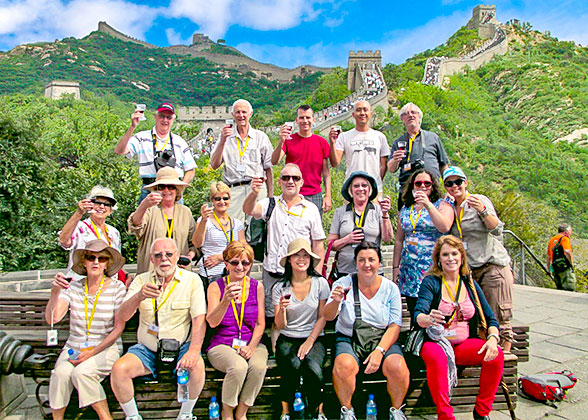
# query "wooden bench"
(22, 315)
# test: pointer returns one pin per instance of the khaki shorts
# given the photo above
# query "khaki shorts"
(496, 283)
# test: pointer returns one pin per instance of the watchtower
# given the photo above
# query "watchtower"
(484, 20)
(56, 88)
(357, 61)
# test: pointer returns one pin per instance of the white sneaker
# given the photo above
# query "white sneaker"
(185, 416)
(347, 414)
(397, 414)
(321, 416)
(137, 417)
(285, 417)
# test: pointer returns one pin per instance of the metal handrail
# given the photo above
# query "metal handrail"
(524, 247)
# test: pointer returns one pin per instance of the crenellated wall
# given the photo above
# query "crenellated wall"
(204, 113)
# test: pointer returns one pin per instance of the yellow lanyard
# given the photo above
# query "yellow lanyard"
(91, 318)
(289, 212)
(410, 145)
(360, 218)
(156, 140)
(229, 240)
(453, 298)
(242, 151)
(414, 222)
(169, 226)
(156, 307)
(459, 217)
(239, 322)
(98, 235)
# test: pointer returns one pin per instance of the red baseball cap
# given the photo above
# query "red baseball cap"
(166, 107)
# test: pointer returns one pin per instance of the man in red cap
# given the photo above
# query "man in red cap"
(157, 148)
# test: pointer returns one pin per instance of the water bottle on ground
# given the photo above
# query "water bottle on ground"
(73, 354)
(183, 394)
(213, 409)
(298, 407)
(371, 412)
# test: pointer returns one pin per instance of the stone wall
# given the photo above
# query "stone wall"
(204, 113)
(107, 29)
(356, 60)
(57, 88)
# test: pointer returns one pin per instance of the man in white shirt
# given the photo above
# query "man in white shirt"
(365, 149)
(157, 147)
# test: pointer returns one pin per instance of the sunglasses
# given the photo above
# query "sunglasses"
(360, 185)
(458, 182)
(294, 178)
(420, 184)
(101, 203)
(163, 187)
(100, 258)
(244, 263)
(159, 255)
(165, 116)
(221, 198)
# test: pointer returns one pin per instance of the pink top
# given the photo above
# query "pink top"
(458, 331)
(309, 154)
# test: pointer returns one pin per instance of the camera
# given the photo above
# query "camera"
(164, 158)
(51, 337)
(418, 164)
(183, 261)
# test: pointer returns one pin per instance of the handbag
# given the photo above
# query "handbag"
(547, 387)
(168, 350)
(365, 337)
(257, 232)
(334, 273)
(414, 341)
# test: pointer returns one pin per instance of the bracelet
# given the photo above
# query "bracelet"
(484, 213)
(385, 218)
(382, 349)
(429, 206)
(495, 336)
(395, 267)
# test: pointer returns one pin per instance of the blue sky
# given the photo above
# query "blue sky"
(287, 33)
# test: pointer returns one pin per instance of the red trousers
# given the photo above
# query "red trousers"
(466, 354)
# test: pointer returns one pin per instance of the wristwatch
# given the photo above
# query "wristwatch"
(382, 349)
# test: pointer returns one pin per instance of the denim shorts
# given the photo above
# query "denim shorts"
(343, 346)
(148, 357)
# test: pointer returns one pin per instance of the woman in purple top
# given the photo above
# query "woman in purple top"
(237, 314)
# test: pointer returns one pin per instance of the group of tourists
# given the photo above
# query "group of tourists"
(449, 264)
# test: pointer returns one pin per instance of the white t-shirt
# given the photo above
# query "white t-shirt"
(383, 309)
(363, 150)
(215, 242)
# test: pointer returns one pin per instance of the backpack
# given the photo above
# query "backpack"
(257, 232)
(559, 262)
(547, 387)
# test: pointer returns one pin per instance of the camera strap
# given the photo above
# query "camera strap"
(171, 143)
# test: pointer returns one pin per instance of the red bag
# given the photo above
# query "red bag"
(545, 387)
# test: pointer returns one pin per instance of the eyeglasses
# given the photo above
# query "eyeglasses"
(165, 116)
(244, 263)
(458, 182)
(294, 178)
(221, 198)
(101, 203)
(426, 184)
(360, 185)
(100, 258)
(163, 187)
(159, 255)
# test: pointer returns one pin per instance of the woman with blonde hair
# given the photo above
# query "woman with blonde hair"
(215, 230)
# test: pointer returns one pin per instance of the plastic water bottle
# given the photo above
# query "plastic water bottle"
(371, 411)
(213, 410)
(298, 407)
(183, 394)
(73, 354)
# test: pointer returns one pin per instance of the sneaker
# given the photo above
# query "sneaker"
(137, 417)
(285, 417)
(347, 414)
(185, 416)
(397, 414)
(321, 416)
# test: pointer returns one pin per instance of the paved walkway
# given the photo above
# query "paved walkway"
(558, 340)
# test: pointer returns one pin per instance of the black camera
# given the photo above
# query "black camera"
(418, 164)
(164, 158)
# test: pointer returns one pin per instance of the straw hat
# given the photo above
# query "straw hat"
(168, 176)
(295, 246)
(98, 245)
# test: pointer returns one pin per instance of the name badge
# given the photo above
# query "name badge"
(465, 245)
(87, 346)
(413, 240)
(407, 167)
(153, 330)
(52, 338)
(450, 333)
(241, 168)
(238, 343)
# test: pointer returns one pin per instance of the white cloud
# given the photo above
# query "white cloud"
(23, 21)
(175, 38)
(318, 54)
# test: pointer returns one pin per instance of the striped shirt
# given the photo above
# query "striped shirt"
(215, 242)
(110, 299)
(141, 145)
